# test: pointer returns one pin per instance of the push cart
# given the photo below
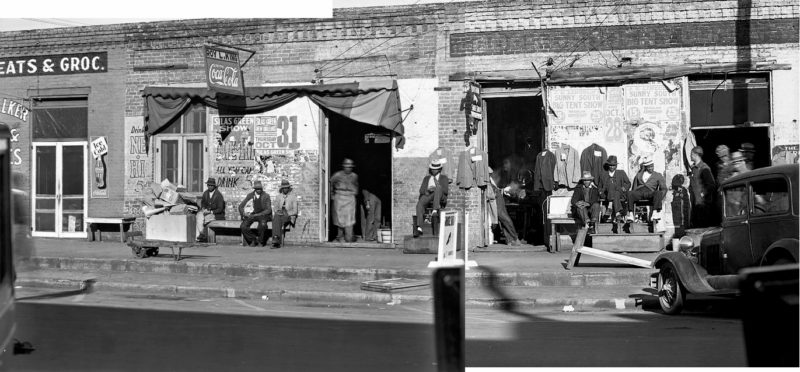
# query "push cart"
(149, 248)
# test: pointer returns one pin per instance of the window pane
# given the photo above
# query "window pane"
(173, 127)
(72, 173)
(770, 196)
(194, 165)
(194, 120)
(169, 160)
(735, 201)
(46, 170)
(60, 122)
(735, 100)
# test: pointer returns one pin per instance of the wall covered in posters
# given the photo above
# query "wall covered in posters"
(138, 165)
(267, 147)
(631, 121)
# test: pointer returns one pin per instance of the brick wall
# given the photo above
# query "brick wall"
(421, 41)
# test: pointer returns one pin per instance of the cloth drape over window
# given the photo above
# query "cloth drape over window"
(373, 102)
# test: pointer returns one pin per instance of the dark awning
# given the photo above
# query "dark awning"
(371, 102)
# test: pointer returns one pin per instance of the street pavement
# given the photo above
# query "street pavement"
(530, 276)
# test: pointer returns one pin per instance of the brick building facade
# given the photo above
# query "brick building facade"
(602, 54)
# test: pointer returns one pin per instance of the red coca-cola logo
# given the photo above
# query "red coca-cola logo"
(226, 76)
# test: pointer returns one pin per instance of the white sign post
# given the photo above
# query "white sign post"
(448, 242)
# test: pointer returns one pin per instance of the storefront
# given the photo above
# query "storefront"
(297, 133)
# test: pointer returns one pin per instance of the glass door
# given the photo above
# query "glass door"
(59, 189)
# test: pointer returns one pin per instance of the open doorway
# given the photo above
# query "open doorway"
(370, 147)
(515, 134)
(709, 139)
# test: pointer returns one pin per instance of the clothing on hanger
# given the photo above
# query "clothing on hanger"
(543, 171)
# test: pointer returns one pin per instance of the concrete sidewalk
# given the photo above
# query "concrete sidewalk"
(320, 272)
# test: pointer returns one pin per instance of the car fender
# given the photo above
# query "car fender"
(787, 246)
(692, 276)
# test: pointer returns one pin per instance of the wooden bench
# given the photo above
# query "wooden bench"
(93, 224)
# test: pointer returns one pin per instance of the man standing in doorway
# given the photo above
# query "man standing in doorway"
(432, 193)
(724, 168)
(372, 215)
(703, 188)
(212, 207)
(748, 151)
(344, 184)
(262, 213)
(285, 213)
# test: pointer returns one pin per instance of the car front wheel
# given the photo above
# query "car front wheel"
(671, 294)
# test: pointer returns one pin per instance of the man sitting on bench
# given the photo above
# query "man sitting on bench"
(285, 213)
(586, 202)
(262, 213)
(647, 185)
(212, 207)
(432, 193)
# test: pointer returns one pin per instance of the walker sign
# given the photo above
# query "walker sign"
(223, 72)
(57, 64)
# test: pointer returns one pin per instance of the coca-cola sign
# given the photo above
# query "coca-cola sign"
(223, 72)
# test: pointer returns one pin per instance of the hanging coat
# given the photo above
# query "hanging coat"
(473, 169)
(592, 159)
(543, 171)
(568, 167)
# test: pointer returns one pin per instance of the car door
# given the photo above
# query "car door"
(735, 243)
(770, 214)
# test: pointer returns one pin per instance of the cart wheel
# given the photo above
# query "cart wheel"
(671, 294)
(141, 252)
(152, 252)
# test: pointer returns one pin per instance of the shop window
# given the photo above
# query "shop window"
(770, 196)
(181, 150)
(732, 99)
(735, 201)
(59, 119)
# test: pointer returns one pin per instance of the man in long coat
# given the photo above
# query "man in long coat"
(703, 188)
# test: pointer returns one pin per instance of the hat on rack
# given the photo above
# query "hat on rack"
(257, 185)
(285, 185)
(435, 165)
(587, 176)
(211, 182)
(612, 160)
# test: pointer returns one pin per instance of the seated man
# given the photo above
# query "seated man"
(262, 213)
(432, 193)
(285, 213)
(614, 185)
(647, 185)
(212, 207)
(586, 202)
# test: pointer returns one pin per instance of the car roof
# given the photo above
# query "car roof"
(790, 170)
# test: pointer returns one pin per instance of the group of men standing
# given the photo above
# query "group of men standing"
(344, 190)
(282, 213)
(705, 209)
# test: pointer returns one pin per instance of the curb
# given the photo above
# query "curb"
(473, 278)
(346, 297)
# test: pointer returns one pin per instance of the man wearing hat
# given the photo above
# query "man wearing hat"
(212, 207)
(647, 185)
(739, 163)
(724, 168)
(285, 212)
(432, 193)
(749, 152)
(262, 213)
(614, 185)
(586, 202)
(703, 188)
(344, 185)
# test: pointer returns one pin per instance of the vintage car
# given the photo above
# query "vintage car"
(759, 228)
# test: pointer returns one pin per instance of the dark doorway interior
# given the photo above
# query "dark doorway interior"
(709, 139)
(370, 148)
(515, 132)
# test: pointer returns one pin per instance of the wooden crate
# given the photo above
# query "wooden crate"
(171, 227)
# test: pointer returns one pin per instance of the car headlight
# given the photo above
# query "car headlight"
(686, 243)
